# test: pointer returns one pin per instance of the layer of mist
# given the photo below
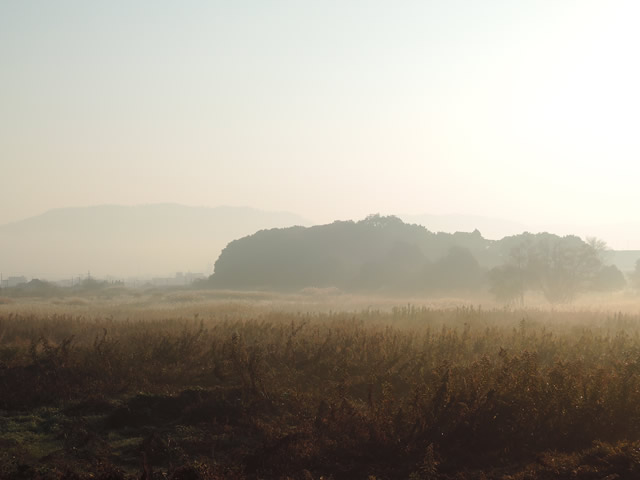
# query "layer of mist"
(128, 240)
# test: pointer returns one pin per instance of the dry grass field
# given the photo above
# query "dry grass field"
(233, 385)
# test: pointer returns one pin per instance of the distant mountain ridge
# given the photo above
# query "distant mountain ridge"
(155, 239)
(161, 239)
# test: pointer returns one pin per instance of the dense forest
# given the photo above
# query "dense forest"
(384, 254)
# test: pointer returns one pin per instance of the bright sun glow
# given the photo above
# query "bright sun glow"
(522, 110)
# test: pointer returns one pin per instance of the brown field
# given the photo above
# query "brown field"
(189, 384)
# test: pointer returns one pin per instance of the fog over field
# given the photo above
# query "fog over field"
(128, 241)
(156, 241)
(333, 240)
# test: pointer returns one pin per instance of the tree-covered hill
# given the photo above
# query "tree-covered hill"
(371, 254)
(384, 254)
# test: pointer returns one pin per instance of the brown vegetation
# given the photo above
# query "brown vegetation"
(411, 393)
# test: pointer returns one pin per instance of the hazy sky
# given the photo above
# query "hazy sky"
(526, 110)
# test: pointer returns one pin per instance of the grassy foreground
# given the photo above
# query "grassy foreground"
(410, 393)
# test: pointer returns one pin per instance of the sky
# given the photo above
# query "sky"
(526, 110)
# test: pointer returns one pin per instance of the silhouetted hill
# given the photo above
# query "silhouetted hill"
(127, 240)
(385, 254)
(621, 236)
(377, 253)
(493, 228)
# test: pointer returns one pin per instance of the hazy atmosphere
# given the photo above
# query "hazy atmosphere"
(522, 111)
(319, 240)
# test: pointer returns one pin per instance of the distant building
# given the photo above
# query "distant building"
(192, 277)
(14, 281)
(178, 280)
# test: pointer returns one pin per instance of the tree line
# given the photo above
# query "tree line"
(384, 254)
